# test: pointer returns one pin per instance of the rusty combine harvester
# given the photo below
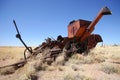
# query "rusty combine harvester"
(79, 40)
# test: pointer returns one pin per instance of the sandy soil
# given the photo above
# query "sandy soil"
(102, 63)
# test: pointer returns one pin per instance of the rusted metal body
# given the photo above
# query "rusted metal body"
(80, 38)
(83, 29)
(77, 28)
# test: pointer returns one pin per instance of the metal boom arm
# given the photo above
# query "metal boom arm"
(103, 11)
(19, 37)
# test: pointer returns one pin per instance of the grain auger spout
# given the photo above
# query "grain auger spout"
(103, 11)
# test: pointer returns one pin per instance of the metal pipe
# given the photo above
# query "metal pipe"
(19, 37)
(104, 11)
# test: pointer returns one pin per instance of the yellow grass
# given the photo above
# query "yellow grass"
(11, 52)
(110, 68)
(102, 63)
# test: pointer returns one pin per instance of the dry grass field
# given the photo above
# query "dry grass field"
(102, 63)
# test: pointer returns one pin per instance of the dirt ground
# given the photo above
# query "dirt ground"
(102, 63)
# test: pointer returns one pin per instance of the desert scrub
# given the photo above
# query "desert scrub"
(77, 56)
(7, 70)
(79, 59)
(38, 66)
(94, 58)
(89, 59)
(30, 71)
(33, 76)
(110, 68)
(60, 60)
(76, 77)
(115, 56)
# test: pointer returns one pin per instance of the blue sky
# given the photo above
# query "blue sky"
(39, 19)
